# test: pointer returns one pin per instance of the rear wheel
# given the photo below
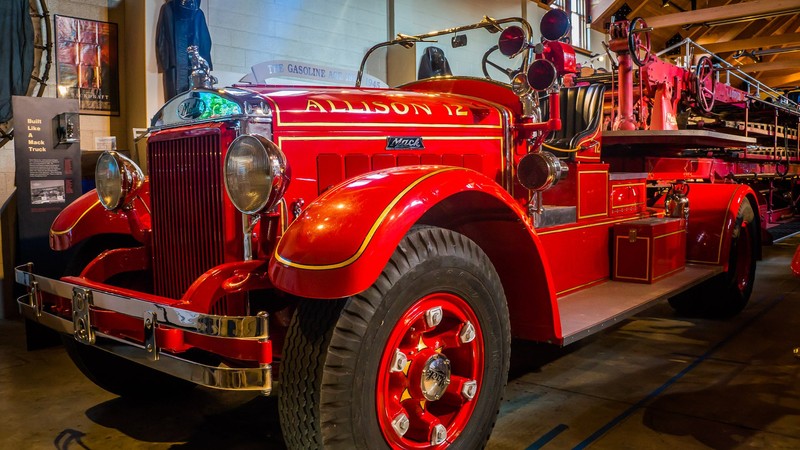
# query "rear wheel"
(728, 293)
(418, 360)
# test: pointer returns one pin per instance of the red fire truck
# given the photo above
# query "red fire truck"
(376, 249)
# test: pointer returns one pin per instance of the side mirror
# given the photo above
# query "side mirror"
(554, 25)
(541, 74)
(512, 41)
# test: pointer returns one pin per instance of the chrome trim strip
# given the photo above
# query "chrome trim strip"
(227, 378)
(508, 176)
(253, 107)
(240, 327)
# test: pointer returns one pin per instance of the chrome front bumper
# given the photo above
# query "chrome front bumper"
(152, 316)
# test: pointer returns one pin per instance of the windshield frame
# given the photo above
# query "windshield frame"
(491, 25)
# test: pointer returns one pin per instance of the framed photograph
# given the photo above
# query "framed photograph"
(86, 64)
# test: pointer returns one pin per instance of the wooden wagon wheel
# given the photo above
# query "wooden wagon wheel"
(42, 57)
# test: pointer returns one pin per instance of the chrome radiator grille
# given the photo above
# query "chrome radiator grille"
(187, 201)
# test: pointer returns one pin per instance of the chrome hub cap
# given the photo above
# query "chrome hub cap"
(435, 377)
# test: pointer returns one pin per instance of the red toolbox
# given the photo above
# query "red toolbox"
(647, 250)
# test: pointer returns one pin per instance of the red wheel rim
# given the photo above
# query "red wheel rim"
(409, 413)
(744, 256)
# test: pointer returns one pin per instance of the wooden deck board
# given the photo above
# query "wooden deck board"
(591, 310)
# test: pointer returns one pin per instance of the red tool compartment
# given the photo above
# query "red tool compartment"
(647, 250)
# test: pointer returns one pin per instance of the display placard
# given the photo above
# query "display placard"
(48, 174)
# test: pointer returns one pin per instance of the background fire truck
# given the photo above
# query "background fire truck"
(375, 250)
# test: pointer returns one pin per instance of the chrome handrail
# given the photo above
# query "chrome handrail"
(755, 89)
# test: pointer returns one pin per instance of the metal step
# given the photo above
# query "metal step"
(593, 309)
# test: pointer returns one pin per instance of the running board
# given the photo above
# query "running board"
(591, 310)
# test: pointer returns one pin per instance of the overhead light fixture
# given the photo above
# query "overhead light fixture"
(665, 3)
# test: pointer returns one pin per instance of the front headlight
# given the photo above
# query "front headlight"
(256, 174)
(117, 179)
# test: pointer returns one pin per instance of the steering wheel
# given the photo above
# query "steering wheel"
(485, 63)
(705, 84)
(639, 41)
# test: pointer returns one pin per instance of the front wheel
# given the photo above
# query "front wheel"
(728, 293)
(418, 360)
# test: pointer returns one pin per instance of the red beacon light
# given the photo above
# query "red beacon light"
(556, 56)
(553, 59)
(554, 27)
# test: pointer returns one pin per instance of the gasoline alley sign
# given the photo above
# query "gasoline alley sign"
(263, 72)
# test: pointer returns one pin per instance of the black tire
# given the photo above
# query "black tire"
(336, 351)
(727, 294)
(113, 373)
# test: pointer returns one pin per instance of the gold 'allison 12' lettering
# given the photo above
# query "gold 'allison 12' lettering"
(373, 107)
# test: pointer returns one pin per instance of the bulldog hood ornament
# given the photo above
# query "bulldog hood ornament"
(200, 76)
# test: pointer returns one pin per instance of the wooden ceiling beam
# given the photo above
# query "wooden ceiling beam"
(733, 11)
(753, 43)
(699, 32)
(789, 26)
(734, 31)
(771, 66)
(790, 80)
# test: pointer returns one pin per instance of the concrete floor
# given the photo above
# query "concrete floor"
(657, 381)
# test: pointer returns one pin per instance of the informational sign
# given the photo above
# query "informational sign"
(48, 174)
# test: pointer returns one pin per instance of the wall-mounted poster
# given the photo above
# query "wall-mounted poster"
(86, 64)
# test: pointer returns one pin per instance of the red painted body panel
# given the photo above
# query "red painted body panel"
(578, 254)
(324, 242)
(84, 218)
(333, 108)
(628, 197)
(116, 261)
(488, 90)
(713, 209)
(562, 55)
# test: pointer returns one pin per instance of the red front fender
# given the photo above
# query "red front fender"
(86, 217)
(343, 240)
(712, 218)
